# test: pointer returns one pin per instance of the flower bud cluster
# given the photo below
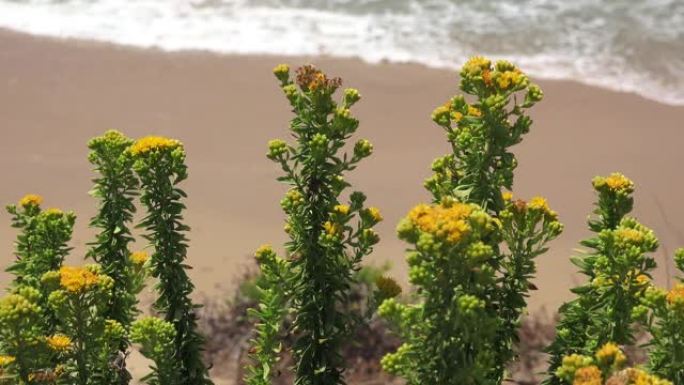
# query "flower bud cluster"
(605, 367)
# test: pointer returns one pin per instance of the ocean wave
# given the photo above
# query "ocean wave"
(631, 45)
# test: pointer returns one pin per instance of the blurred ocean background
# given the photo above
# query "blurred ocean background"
(628, 45)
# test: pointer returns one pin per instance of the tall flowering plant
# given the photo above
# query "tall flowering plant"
(115, 188)
(487, 279)
(662, 312)
(617, 267)
(41, 246)
(160, 165)
(86, 340)
(272, 310)
(329, 238)
(446, 335)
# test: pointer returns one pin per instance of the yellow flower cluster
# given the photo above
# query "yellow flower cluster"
(139, 257)
(474, 111)
(629, 236)
(59, 342)
(611, 355)
(588, 375)
(341, 209)
(570, 364)
(374, 213)
(582, 370)
(54, 212)
(540, 204)
(6, 360)
(153, 143)
(77, 279)
(263, 250)
(477, 65)
(281, 70)
(635, 376)
(30, 200)
(441, 113)
(615, 182)
(508, 78)
(676, 295)
(331, 228)
(642, 280)
(447, 222)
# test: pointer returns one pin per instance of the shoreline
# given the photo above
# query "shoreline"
(154, 49)
(57, 93)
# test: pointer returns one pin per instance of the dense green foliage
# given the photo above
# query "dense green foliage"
(617, 268)
(328, 238)
(473, 281)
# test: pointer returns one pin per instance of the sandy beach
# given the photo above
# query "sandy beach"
(55, 95)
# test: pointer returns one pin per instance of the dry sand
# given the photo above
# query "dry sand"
(55, 95)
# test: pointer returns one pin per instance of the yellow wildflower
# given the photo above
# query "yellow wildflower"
(30, 200)
(441, 114)
(474, 111)
(639, 377)
(589, 375)
(476, 65)
(628, 235)
(615, 182)
(153, 143)
(341, 209)
(331, 228)
(456, 116)
(374, 213)
(281, 69)
(6, 360)
(642, 279)
(676, 294)
(53, 211)
(539, 203)
(507, 196)
(447, 222)
(610, 354)
(139, 257)
(77, 279)
(59, 342)
(509, 78)
(263, 250)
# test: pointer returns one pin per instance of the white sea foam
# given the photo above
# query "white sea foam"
(631, 45)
